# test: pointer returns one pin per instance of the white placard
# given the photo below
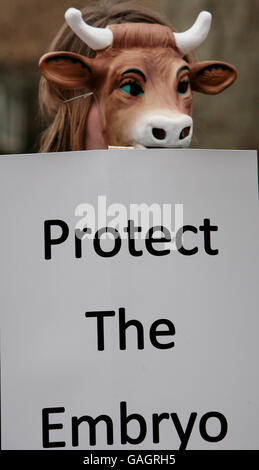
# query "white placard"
(183, 373)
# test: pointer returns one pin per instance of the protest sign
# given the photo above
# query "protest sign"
(147, 338)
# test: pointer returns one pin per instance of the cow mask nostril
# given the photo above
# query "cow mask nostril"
(159, 134)
(185, 132)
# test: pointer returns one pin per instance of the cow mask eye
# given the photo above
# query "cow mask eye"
(183, 87)
(132, 88)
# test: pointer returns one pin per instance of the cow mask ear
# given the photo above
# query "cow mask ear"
(212, 77)
(66, 69)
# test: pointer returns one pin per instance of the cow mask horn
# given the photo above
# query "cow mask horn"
(193, 37)
(96, 38)
(100, 38)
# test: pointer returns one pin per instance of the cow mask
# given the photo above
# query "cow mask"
(140, 80)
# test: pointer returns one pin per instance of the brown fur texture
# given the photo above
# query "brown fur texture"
(130, 35)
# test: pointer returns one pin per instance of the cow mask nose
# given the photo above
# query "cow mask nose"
(171, 129)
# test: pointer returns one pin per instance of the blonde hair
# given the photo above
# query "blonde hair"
(67, 121)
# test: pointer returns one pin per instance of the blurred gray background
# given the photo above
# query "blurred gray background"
(228, 120)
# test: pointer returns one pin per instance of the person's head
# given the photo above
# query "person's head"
(75, 125)
(141, 80)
